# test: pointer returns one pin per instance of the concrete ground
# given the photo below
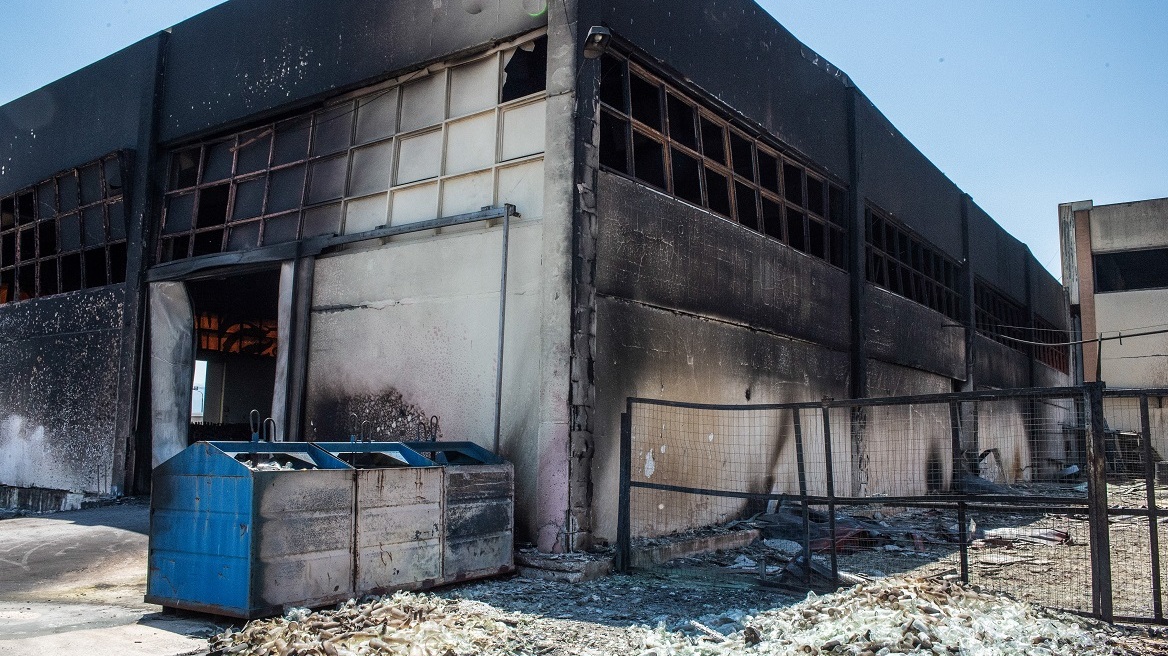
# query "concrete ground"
(73, 582)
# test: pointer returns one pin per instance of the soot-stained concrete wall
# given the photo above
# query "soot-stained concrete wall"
(692, 307)
(902, 181)
(309, 48)
(59, 391)
(410, 329)
(910, 334)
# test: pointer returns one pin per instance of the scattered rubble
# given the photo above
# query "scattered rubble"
(894, 615)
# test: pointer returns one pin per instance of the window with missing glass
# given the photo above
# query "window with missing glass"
(428, 145)
(907, 265)
(654, 133)
(1131, 270)
(999, 317)
(64, 234)
(1007, 322)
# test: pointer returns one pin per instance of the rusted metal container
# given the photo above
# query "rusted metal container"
(479, 510)
(399, 536)
(246, 529)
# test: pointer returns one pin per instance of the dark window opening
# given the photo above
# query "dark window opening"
(747, 208)
(48, 275)
(905, 265)
(184, 169)
(713, 140)
(1131, 270)
(768, 172)
(718, 192)
(95, 268)
(207, 243)
(614, 143)
(212, 206)
(7, 213)
(815, 201)
(687, 177)
(526, 73)
(646, 101)
(26, 207)
(742, 155)
(648, 160)
(47, 238)
(793, 183)
(613, 91)
(682, 123)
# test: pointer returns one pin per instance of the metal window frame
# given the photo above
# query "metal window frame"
(832, 232)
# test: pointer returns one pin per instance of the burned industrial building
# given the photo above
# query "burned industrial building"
(323, 201)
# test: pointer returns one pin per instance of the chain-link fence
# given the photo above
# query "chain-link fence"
(1005, 489)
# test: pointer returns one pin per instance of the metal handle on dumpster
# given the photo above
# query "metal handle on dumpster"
(254, 420)
(269, 430)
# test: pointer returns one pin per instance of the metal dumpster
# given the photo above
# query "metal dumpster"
(398, 534)
(479, 495)
(245, 529)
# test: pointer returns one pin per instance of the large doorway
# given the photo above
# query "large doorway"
(218, 351)
(236, 331)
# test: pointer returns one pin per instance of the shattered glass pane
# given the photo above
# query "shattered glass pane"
(525, 70)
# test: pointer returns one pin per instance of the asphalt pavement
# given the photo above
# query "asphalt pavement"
(73, 582)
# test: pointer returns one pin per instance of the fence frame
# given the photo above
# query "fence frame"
(1095, 505)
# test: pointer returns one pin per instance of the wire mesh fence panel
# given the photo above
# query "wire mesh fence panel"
(1032, 555)
(991, 487)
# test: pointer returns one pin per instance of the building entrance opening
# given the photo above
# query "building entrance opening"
(236, 333)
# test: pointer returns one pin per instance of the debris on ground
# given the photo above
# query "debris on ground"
(894, 615)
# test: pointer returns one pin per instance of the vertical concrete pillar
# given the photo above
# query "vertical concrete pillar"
(554, 521)
(968, 305)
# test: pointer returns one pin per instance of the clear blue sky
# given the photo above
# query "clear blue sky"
(1023, 104)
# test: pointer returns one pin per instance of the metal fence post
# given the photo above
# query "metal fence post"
(958, 471)
(624, 520)
(801, 463)
(829, 470)
(1153, 511)
(1097, 503)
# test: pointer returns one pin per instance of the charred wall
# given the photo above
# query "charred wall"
(900, 180)
(59, 391)
(909, 334)
(308, 48)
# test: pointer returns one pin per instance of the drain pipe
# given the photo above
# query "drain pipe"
(509, 210)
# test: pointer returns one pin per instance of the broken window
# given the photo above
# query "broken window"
(431, 145)
(709, 162)
(1053, 353)
(1131, 270)
(901, 262)
(999, 317)
(64, 234)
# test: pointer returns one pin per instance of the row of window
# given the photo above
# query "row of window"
(1007, 322)
(909, 266)
(654, 133)
(437, 145)
(64, 234)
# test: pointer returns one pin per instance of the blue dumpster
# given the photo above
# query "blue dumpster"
(245, 529)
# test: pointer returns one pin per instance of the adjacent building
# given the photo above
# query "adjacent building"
(315, 198)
